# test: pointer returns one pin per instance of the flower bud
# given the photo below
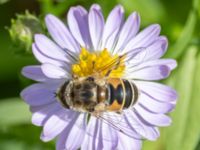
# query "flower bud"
(23, 29)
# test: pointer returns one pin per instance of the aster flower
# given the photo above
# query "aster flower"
(83, 47)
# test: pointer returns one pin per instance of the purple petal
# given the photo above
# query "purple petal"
(156, 72)
(157, 49)
(154, 105)
(146, 131)
(39, 94)
(60, 33)
(139, 61)
(44, 58)
(121, 123)
(78, 25)
(112, 27)
(108, 136)
(73, 135)
(128, 31)
(144, 38)
(50, 49)
(99, 135)
(157, 91)
(152, 118)
(42, 113)
(92, 140)
(54, 72)
(171, 63)
(57, 123)
(134, 57)
(128, 143)
(96, 25)
(34, 73)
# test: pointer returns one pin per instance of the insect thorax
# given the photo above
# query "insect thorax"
(82, 96)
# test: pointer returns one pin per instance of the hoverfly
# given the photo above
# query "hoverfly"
(100, 97)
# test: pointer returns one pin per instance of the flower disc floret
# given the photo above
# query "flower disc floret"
(100, 62)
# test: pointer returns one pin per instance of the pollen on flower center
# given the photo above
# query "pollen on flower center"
(99, 63)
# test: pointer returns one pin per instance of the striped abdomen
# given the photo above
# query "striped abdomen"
(122, 94)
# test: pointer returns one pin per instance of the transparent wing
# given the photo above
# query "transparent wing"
(113, 63)
(135, 57)
(122, 123)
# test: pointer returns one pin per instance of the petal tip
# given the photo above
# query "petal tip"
(44, 138)
(95, 7)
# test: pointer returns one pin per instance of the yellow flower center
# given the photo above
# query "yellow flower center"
(100, 64)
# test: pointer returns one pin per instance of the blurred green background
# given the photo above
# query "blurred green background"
(180, 21)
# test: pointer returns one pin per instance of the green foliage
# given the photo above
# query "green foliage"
(21, 137)
(13, 111)
(185, 38)
(154, 8)
(49, 6)
(16, 132)
(192, 129)
(184, 82)
(3, 1)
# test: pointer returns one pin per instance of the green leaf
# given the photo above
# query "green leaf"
(14, 111)
(23, 137)
(196, 5)
(153, 8)
(49, 6)
(192, 130)
(184, 80)
(3, 1)
(152, 145)
(178, 48)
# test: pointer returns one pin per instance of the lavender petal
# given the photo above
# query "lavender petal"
(42, 58)
(144, 38)
(55, 72)
(92, 140)
(39, 94)
(78, 24)
(154, 105)
(128, 143)
(34, 73)
(50, 49)
(73, 135)
(156, 72)
(158, 91)
(57, 123)
(145, 130)
(152, 118)
(42, 113)
(112, 27)
(61, 34)
(128, 31)
(96, 25)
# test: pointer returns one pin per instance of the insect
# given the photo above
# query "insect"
(96, 96)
